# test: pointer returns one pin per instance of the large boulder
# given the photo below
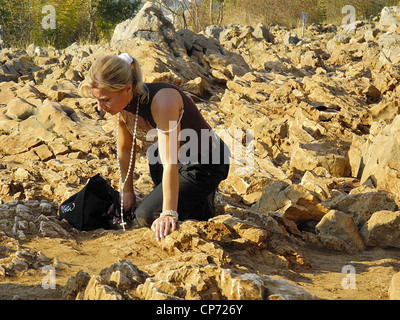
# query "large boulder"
(390, 19)
(14, 66)
(378, 158)
(294, 201)
(389, 43)
(175, 56)
(361, 206)
(151, 25)
(309, 156)
(382, 229)
(340, 225)
(19, 109)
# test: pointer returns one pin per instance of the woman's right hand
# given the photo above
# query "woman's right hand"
(129, 203)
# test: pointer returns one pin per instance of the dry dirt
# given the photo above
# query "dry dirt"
(94, 250)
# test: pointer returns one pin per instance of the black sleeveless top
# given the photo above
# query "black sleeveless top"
(191, 119)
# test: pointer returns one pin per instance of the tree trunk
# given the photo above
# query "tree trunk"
(92, 18)
(2, 46)
(211, 12)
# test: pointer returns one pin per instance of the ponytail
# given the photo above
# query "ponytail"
(137, 80)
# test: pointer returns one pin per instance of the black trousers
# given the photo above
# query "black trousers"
(197, 185)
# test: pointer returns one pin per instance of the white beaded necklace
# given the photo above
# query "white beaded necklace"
(123, 181)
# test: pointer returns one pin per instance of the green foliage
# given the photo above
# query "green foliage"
(75, 20)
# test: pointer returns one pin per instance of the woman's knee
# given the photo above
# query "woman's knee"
(144, 217)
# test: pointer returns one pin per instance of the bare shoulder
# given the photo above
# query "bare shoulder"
(166, 106)
(167, 97)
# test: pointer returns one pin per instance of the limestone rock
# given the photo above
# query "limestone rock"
(309, 156)
(389, 43)
(196, 87)
(382, 229)
(19, 109)
(149, 24)
(249, 189)
(242, 287)
(317, 184)
(286, 290)
(390, 18)
(22, 174)
(95, 290)
(213, 31)
(43, 152)
(49, 228)
(361, 206)
(235, 36)
(340, 225)
(17, 143)
(262, 32)
(194, 281)
(124, 274)
(158, 290)
(297, 203)
(378, 158)
(290, 38)
(394, 287)
(385, 110)
(75, 285)
(311, 60)
(8, 91)
(244, 229)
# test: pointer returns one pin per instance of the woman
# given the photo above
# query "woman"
(186, 173)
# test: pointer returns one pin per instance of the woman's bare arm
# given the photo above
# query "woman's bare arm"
(166, 109)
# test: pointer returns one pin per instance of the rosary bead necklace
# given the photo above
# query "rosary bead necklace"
(123, 181)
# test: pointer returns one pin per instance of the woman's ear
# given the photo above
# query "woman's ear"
(128, 87)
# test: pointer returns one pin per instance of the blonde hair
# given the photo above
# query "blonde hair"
(112, 73)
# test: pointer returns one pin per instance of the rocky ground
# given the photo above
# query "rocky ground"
(311, 212)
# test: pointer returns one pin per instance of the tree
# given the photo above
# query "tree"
(75, 20)
(322, 10)
(179, 11)
(104, 15)
(216, 11)
(71, 22)
(111, 12)
(20, 19)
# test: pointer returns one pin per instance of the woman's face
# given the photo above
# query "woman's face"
(112, 101)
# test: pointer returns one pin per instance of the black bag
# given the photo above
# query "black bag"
(88, 209)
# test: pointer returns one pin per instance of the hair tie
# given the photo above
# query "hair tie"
(126, 57)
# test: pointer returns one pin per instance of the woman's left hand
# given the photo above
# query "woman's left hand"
(162, 226)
